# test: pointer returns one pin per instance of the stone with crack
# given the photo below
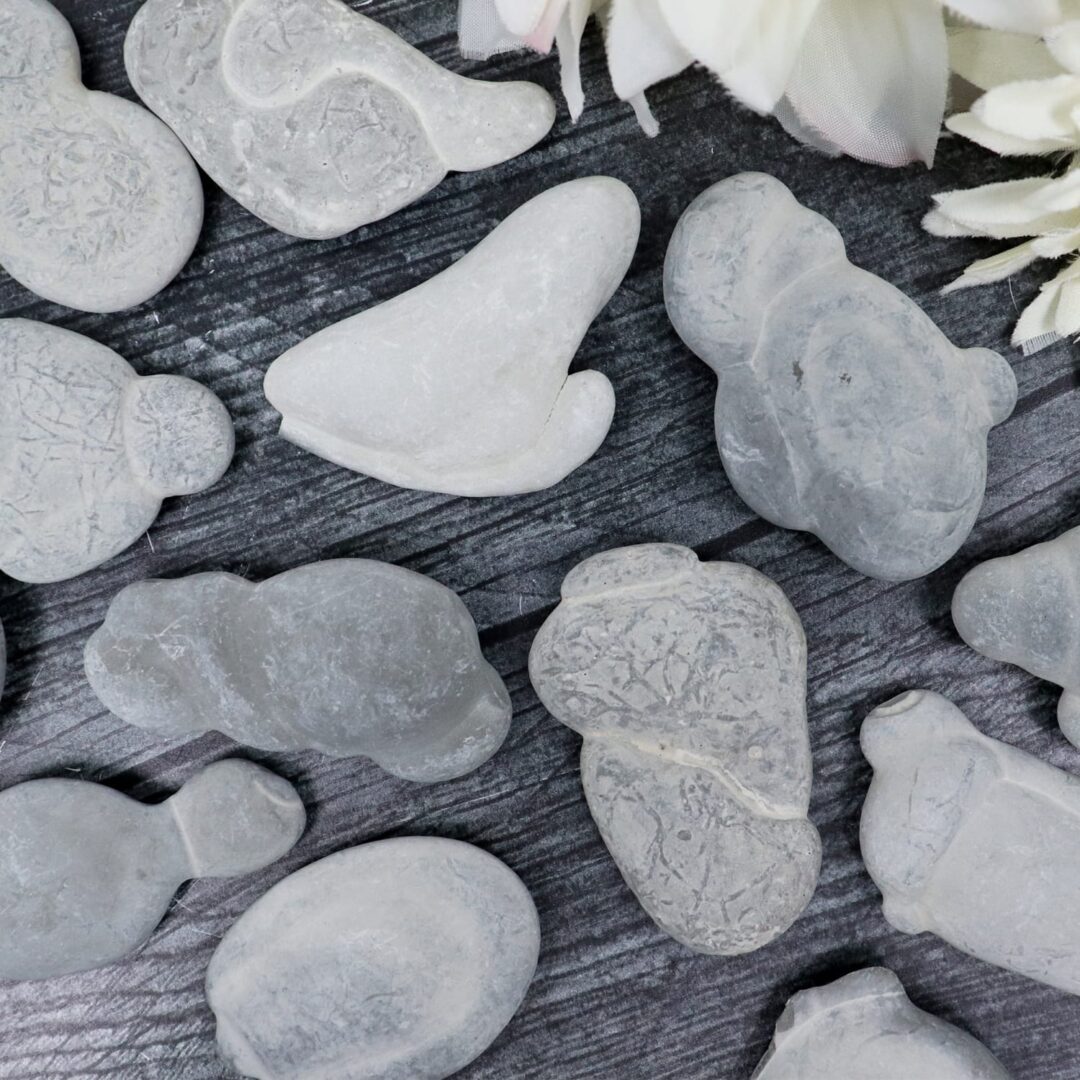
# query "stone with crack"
(687, 681)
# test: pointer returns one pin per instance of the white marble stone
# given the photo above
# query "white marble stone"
(397, 960)
(100, 204)
(864, 1027)
(973, 840)
(841, 408)
(312, 116)
(86, 873)
(348, 656)
(460, 385)
(90, 449)
(687, 681)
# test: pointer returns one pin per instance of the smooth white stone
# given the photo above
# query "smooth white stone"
(90, 449)
(864, 1027)
(688, 682)
(317, 119)
(100, 204)
(349, 656)
(973, 840)
(460, 385)
(396, 960)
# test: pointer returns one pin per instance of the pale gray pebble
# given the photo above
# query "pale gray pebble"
(100, 204)
(864, 1026)
(688, 682)
(348, 657)
(1024, 609)
(841, 408)
(317, 119)
(973, 840)
(90, 450)
(460, 385)
(401, 959)
(86, 873)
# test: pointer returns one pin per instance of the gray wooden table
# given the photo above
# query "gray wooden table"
(613, 996)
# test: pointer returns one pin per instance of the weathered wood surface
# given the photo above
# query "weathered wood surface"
(613, 997)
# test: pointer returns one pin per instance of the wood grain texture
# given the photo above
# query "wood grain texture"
(613, 997)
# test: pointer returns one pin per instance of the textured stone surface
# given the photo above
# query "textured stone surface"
(390, 961)
(841, 408)
(1024, 609)
(89, 449)
(347, 657)
(972, 839)
(87, 873)
(864, 1027)
(460, 385)
(688, 682)
(315, 118)
(100, 204)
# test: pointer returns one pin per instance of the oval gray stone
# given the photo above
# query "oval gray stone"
(100, 204)
(348, 656)
(86, 873)
(317, 119)
(90, 450)
(396, 960)
(687, 681)
(841, 409)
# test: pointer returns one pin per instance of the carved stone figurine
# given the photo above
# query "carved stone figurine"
(86, 873)
(1022, 609)
(973, 840)
(100, 204)
(348, 657)
(688, 682)
(315, 118)
(460, 385)
(400, 958)
(864, 1026)
(841, 408)
(90, 449)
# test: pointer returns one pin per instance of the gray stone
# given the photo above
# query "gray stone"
(460, 385)
(86, 873)
(397, 960)
(315, 118)
(90, 450)
(687, 681)
(347, 657)
(100, 204)
(864, 1026)
(841, 408)
(1023, 609)
(973, 840)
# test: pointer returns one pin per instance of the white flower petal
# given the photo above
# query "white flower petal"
(1005, 210)
(971, 127)
(1055, 245)
(568, 35)
(1067, 312)
(1035, 328)
(938, 224)
(989, 58)
(1040, 109)
(481, 33)
(641, 48)
(1063, 44)
(1025, 16)
(521, 17)
(995, 268)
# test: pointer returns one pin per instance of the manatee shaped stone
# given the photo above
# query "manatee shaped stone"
(864, 1026)
(460, 385)
(1023, 609)
(86, 873)
(317, 119)
(841, 408)
(88, 450)
(973, 840)
(398, 959)
(100, 204)
(688, 682)
(348, 657)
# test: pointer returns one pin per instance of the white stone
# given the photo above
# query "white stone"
(317, 119)
(397, 960)
(973, 840)
(864, 1027)
(687, 681)
(100, 204)
(90, 449)
(460, 385)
